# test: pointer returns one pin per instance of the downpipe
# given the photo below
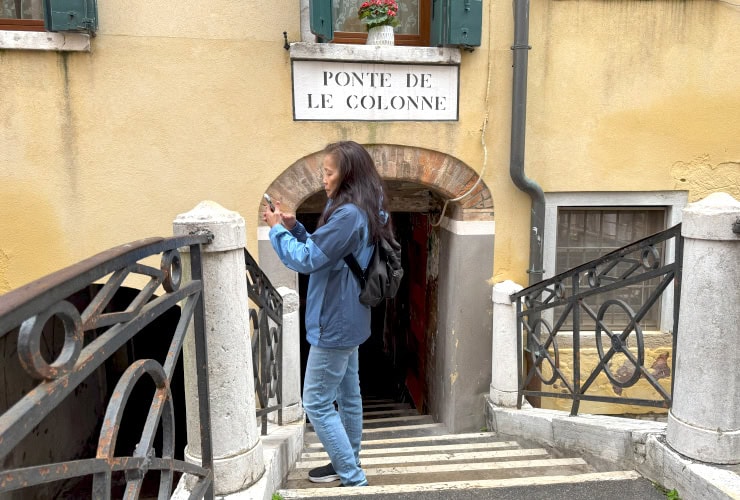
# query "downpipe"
(518, 128)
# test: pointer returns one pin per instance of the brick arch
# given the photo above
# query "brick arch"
(444, 174)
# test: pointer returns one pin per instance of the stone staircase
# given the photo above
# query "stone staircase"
(407, 455)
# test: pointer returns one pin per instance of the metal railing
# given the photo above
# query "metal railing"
(537, 318)
(92, 336)
(267, 341)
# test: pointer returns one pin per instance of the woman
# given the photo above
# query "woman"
(354, 218)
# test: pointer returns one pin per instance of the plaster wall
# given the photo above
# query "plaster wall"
(179, 103)
(621, 95)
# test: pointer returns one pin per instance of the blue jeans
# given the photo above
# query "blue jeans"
(333, 374)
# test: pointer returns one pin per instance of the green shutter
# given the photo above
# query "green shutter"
(456, 23)
(71, 15)
(322, 24)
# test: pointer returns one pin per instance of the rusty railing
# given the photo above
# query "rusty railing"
(63, 344)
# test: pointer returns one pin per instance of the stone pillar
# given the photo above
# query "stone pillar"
(291, 375)
(704, 421)
(504, 354)
(237, 448)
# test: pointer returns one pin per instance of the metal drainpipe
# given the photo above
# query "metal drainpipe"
(518, 124)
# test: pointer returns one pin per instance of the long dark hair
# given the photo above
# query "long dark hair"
(360, 184)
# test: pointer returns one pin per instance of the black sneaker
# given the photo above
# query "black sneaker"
(325, 474)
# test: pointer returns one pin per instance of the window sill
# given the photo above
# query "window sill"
(374, 53)
(44, 40)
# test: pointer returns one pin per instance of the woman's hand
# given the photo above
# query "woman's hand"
(271, 217)
(288, 219)
(277, 217)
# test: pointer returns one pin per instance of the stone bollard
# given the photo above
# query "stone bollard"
(237, 448)
(291, 374)
(704, 421)
(504, 375)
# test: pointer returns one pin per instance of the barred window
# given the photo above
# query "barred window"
(584, 234)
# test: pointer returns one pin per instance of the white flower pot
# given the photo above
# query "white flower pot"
(380, 35)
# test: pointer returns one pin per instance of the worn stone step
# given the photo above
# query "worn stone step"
(369, 443)
(425, 473)
(374, 423)
(436, 457)
(396, 412)
(398, 431)
(385, 406)
(378, 401)
(627, 485)
(437, 448)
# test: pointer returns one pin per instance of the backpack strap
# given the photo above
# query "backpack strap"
(356, 269)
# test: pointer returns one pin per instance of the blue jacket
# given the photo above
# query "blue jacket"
(335, 318)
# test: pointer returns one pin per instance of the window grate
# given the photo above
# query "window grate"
(585, 234)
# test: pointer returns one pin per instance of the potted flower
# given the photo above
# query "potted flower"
(380, 17)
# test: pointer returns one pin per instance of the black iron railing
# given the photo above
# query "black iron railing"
(543, 309)
(93, 333)
(267, 341)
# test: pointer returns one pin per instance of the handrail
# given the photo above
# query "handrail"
(93, 333)
(637, 262)
(267, 341)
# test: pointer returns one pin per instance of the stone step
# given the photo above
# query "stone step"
(407, 456)
(389, 413)
(419, 440)
(378, 401)
(377, 406)
(449, 472)
(421, 448)
(479, 456)
(397, 431)
(621, 485)
(374, 423)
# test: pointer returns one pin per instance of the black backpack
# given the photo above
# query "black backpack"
(383, 275)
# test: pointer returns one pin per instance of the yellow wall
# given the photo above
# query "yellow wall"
(656, 362)
(183, 102)
(622, 91)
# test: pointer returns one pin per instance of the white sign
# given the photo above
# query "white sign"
(327, 90)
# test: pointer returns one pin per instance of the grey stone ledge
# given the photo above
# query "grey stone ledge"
(374, 53)
(45, 40)
(628, 443)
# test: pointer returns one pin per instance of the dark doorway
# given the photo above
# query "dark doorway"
(394, 360)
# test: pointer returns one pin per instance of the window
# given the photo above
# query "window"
(22, 15)
(584, 234)
(669, 203)
(438, 23)
(413, 16)
(49, 15)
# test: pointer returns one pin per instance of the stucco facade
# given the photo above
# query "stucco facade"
(175, 104)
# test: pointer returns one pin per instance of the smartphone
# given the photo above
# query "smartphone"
(269, 202)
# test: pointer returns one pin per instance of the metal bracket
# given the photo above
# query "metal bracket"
(205, 232)
(736, 226)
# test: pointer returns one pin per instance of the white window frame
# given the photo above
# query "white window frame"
(672, 201)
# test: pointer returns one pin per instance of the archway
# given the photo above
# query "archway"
(436, 334)
(444, 175)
